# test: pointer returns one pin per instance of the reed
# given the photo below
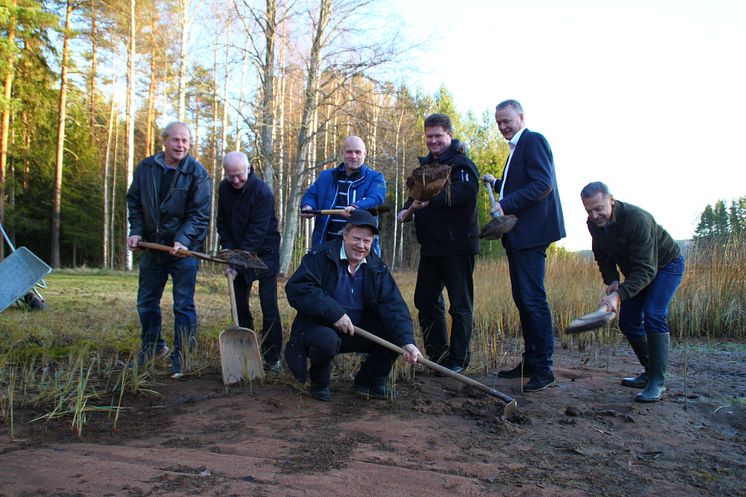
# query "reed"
(66, 362)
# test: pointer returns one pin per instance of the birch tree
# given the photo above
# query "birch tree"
(130, 108)
(339, 53)
(310, 100)
(185, 21)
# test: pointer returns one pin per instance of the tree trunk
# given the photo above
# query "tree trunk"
(184, 6)
(217, 176)
(397, 185)
(241, 91)
(299, 169)
(107, 168)
(5, 124)
(150, 112)
(57, 202)
(267, 105)
(112, 209)
(281, 139)
(94, 69)
(212, 230)
(130, 112)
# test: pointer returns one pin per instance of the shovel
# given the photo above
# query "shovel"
(588, 322)
(239, 258)
(511, 406)
(498, 225)
(376, 211)
(240, 358)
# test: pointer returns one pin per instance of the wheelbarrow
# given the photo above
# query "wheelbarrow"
(20, 272)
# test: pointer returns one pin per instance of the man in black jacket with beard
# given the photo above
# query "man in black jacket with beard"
(448, 232)
(247, 221)
(168, 203)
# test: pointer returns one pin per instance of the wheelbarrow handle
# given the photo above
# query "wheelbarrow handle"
(511, 404)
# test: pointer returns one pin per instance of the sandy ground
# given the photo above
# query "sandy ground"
(583, 437)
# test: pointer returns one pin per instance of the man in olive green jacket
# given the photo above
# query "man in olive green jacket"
(627, 239)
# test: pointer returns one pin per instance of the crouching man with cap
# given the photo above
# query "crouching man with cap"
(340, 285)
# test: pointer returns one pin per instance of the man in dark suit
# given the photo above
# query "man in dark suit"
(528, 190)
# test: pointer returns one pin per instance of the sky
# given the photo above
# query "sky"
(646, 96)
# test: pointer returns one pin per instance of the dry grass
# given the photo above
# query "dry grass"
(70, 361)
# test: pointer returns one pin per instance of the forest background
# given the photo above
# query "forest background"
(87, 86)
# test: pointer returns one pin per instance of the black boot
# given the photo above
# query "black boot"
(658, 344)
(640, 346)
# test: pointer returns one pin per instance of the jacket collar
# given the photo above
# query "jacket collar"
(339, 171)
(456, 148)
(186, 165)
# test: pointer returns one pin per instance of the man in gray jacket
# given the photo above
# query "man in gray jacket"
(168, 203)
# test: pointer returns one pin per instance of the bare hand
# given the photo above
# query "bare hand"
(344, 325)
(611, 301)
(411, 353)
(488, 178)
(498, 209)
(612, 288)
(349, 210)
(132, 242)
(178, 246)
(304, 215)
(230, 271)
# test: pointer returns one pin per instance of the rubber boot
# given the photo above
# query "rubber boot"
(640, 347)
(658, 344)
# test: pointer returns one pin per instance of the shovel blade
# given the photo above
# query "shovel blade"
(497, 227)
(240, 357)
(590, 322)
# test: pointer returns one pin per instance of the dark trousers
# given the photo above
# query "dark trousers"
(647, 312)
(455, 274)
(271, 321)
(527, 270)
(323, 343)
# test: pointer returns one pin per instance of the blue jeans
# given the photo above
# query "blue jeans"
(527, 269)
(154, 272)
(647, 312)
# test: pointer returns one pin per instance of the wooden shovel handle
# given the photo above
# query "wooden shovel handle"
(190, 253)
(511, 404)
(376, 211)
(232, 290)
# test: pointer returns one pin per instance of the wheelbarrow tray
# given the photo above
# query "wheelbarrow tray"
(19, 273)
(240, 357)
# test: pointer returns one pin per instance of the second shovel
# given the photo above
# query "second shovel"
(240, 357)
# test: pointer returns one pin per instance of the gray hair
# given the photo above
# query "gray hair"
(515, 104)
(170, 126)
(236, 155)
(594, 188)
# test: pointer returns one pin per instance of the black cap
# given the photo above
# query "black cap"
(361, 217)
